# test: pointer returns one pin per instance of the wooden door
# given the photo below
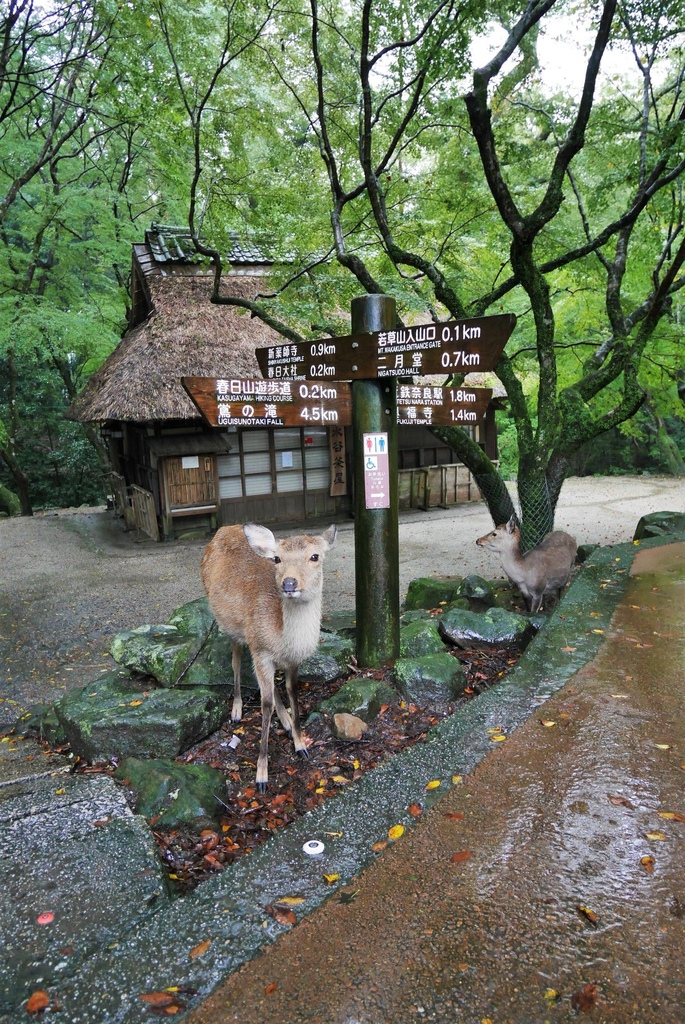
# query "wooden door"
(190, 482)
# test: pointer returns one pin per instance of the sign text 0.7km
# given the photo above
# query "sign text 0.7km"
(459, 346)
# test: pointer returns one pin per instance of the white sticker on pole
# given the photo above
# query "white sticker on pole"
(376, 471)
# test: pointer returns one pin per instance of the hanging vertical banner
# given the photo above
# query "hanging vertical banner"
(376, 471)
(337, 453)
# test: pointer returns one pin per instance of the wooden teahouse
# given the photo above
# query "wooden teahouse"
(172, 472)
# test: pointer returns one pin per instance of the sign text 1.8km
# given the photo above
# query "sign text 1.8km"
(459, 346)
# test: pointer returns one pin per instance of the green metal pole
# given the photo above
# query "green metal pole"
(376, 537)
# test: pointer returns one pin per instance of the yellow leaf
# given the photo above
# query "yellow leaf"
(498, 728)
(596, 615)
(175, 877)
(135, 703)
(551, 995)
(60, 792)
(587, 913)
(356, 765)
(321, 789)
(547, 722)
(330, 879)
(403, 704)
(289, 901)
(497, 739)
(655, 835)
(340, 779)
(597, 630)
(201, 948)
(663, 746)
(456, 779)
(395, 832)
(434, 784)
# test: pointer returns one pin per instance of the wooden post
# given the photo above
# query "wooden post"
(377, 570)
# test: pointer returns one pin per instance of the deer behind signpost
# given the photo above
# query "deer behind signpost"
(542, 570)
(266, 593)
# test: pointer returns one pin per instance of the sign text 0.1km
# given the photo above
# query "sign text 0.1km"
(458, 346)
(226, 402)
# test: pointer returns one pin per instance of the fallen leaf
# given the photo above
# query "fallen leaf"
(497, 728)
(588, 914)
(158, 1000)
(135, 703)
(552, 996)
(454, 815)
(416, 810)
(270, 989)
(655, 835)
(672, 816)
(568, 649)
(379, 846)
(497, 739)
(289, 901)
(434, 784)
(283, 915)
(201, 948)
(663, 746)
(621, 801)
(456, 858)
(597, 630)
(585, 998)
(547, 722)
(340, 779)
(331, 879)
(38, 1001)
(648, 864)
(456, 779)
(395, 832)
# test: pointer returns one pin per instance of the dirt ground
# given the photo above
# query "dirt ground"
(70, 580)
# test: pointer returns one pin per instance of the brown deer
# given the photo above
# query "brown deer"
(542, 570)
(266, 593)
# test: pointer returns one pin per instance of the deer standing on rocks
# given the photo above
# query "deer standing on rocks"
(542, 570)
(266, 593)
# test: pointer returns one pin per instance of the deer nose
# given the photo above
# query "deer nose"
(289, 585)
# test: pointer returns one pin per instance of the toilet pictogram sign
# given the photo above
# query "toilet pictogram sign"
(376, 471)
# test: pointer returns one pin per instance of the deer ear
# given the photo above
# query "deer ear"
(328, 536)
(511, 525)
(261, 540)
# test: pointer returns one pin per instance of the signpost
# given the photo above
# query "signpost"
(262, 403)
(458, 346)
(374, 404)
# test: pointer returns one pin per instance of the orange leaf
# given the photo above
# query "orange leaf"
(37, 1002)
(567, 649)
(454, 815)
(201, 948)
(283, 915)
(456, 858)
(379, 846)
(416, 810)
(672, 816)
(270, 989)
(588, 914)
(621, 801)
(160, 1000)
(585, 998)
(648, 864)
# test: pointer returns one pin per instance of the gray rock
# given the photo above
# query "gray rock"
(420, 637)
(41, 721)
(434, 679)
(414, 615)
(361, 697)
(330, 661)
(584, 551)
(495, 626)
(118, 716)
(344, 623)
(174, 792)
(659, 524)
(162, 652)
(348, 727)
(431, 591)
(475, 588)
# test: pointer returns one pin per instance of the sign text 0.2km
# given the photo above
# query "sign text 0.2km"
(226, 402)
(458, 346)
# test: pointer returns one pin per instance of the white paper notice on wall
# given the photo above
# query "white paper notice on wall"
(286, 460)
(190, 462)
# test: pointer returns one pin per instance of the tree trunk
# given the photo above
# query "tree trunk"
(490, 483)
(21, 483)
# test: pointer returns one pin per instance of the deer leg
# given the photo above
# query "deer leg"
(264, 669)
(282, 711)
(291, 687)
(237, 709)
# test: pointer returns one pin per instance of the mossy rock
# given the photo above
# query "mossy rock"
(361, 697)
(414, 615)
(475, 588)
(118, 716)
(172, 792)
(342, 623)
(192, 619)
(659, 524)
(420, 637)
(496, 626)
(431, 591)
(584, 551)
(163, 652)
(329, 662)
(432, 680)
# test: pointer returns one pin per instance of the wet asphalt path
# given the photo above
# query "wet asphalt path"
(548, 886)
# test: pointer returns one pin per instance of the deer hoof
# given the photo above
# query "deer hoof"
(261, 787)
(304, 753)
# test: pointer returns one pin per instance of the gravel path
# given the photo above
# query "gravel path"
(70, 580)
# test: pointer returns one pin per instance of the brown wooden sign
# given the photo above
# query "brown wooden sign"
(441, 407)
(459, 346)
(226, 402)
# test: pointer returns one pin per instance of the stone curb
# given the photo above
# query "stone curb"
(229, 910)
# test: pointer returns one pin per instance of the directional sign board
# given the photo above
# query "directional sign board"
(441, 407)
(459, 346)
(226, 402)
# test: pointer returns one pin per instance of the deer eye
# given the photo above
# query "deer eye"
(276, 559)
(314, 558)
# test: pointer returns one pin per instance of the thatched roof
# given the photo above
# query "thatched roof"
(184, 335)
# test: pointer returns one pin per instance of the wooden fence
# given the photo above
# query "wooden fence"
(144, 513)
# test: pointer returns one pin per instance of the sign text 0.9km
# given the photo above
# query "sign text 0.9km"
(459, 346)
